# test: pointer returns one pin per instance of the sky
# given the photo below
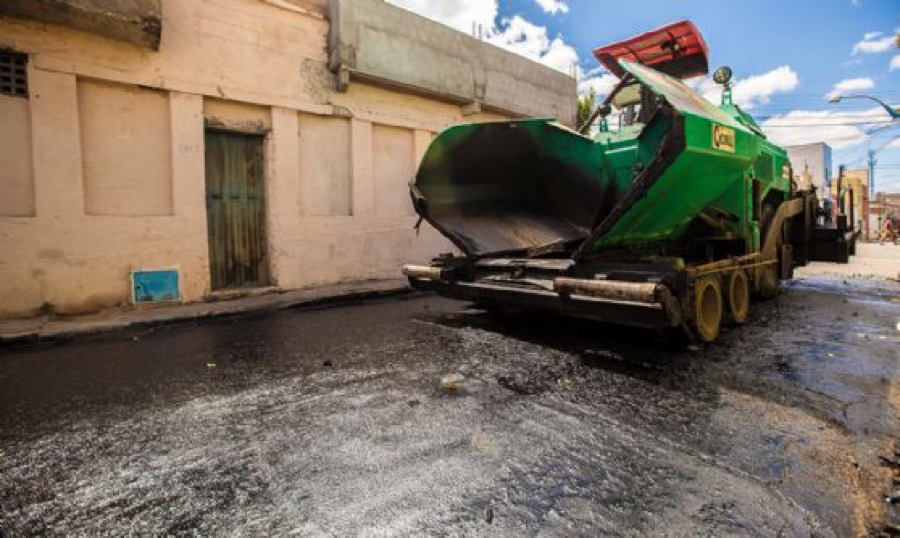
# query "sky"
(787, 57)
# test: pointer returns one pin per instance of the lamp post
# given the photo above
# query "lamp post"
(894, 113)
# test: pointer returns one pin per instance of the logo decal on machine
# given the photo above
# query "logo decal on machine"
(723, 138)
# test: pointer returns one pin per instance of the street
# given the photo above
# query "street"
(303, 267)
(336, 421)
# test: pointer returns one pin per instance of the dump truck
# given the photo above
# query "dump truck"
(672, 214)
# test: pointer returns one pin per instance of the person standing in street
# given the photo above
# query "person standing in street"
(887, 233)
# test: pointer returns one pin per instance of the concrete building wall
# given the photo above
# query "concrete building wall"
(126, 147)
(373, 40)
(857, 180)
(394, 160)
(326, 172)
(16, 174)
(103, 163)
(133, 21)
(817, 158)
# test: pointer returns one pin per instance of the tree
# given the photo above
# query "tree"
(586, 104)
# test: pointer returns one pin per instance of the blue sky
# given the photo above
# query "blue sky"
(787, 55)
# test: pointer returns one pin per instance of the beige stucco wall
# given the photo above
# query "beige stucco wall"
(108, 159)
(16, 176)
(325, 169)
(125, 149)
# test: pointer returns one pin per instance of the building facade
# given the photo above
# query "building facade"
(855, 187)
(815, 160)
(228, 144)
(885, 206)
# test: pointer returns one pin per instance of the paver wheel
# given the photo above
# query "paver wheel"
(738, 296)
(709, 307)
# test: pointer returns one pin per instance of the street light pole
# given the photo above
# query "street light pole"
(894, 113)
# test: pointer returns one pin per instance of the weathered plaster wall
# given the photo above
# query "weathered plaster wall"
(337, 163)
(325, 171)
(236, 116)
(125, 149)
(71, 261)
(133, 21)
(15, 158)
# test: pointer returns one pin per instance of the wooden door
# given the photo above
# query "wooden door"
(236, 210)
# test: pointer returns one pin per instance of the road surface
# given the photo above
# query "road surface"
(423, 416)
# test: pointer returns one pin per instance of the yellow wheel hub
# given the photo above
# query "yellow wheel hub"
(738, 296)
(708, 316)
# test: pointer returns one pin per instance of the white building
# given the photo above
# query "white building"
(816, 160)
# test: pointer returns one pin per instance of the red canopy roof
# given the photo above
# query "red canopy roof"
(677, 49)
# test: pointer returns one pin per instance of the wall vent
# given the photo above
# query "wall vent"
(13, 76)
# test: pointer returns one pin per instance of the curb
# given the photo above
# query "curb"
(305, 299)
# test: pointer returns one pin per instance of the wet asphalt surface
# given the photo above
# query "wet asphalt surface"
(336, 422)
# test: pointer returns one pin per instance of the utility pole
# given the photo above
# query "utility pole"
(872, 163)
(840, 192)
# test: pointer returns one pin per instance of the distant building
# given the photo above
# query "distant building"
(884, 206)
(855, 186)
(889, 199)
(816, 159)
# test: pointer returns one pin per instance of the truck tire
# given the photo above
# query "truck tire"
(708, 309)
(738, 296)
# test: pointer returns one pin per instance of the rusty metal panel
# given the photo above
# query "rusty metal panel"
(236, 210)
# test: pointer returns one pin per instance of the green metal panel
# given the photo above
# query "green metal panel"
(699, 177)
(236, 210)
(528, 186)
(498, 187)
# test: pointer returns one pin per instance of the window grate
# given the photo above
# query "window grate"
(13, 77)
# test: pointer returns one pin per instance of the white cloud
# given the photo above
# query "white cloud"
(854, 84)
(759, 88)
(751, 91)
(526, 39)
(459, 14)
(601, 83)
(838, 128)
(515, 35)
(895, 62)
(553, 6)
(851, 85)
(872, 42)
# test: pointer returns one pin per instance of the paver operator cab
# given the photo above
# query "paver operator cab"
(671, 220)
